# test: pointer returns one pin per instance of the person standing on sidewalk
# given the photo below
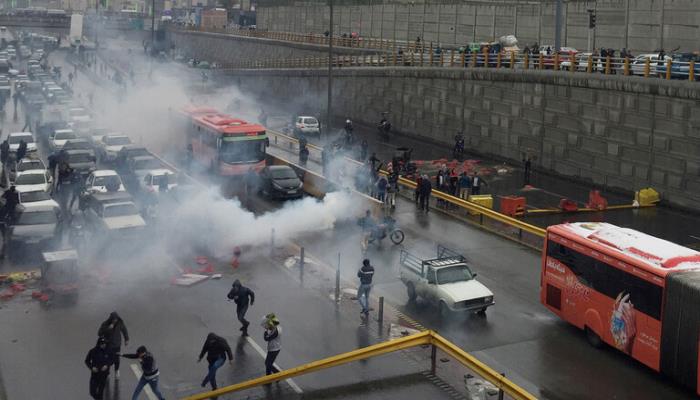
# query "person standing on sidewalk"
(465, 184)
(150, 372)
(112, 331)
(366, 273)
(98, 361)
(242, 296)
(272, 333)
(425, 189)
(217, 349)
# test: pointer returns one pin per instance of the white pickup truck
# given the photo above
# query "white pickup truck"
(446, 281)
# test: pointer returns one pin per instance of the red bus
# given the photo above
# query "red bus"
(635, 292)
(225, 145)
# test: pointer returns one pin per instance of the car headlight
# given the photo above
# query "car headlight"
(488, 299)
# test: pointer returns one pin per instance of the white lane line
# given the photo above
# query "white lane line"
(263, 354)
(147, 389)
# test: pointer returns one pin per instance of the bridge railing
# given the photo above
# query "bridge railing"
(668, 69)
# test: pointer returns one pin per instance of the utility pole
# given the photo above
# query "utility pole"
(329, 110)
(153, 24)
(557, 26)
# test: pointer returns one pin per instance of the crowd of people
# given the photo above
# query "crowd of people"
(105, 356)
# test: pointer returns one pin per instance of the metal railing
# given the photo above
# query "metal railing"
(429, 338)
(309, 38)
(669, 69)
(486, 218)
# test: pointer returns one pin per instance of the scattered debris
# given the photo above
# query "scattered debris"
(189, 279)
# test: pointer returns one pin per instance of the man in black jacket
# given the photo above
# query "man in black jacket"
(217, 350)
(112, 330)
(366, 273)
(150, 372)
(241, 295)
(98, 361)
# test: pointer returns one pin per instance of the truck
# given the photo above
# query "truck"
(446, 281)
(76, 30)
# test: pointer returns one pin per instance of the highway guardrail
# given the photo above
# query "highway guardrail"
(429, 338)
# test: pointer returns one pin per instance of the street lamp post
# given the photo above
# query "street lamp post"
(153, 23)
(329, 112)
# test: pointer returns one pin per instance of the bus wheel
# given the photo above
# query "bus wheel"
(593, 338)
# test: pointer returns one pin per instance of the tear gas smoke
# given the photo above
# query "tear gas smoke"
(208, 220)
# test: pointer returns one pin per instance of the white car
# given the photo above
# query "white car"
(154, 178)
(36, 198)
(25, 164)
(447, 281)
(78, 112)
(33, 179)
(14, 138)
(638, 64)
(307, 126)
(110, 145)
(59, 137)
(98, 181)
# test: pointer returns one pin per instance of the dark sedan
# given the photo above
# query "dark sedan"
(280, 181)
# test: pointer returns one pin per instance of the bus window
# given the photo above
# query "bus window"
(609, 281)
(242, 151)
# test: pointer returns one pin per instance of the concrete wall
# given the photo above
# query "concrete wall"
(228, 48)
(640, 25)
(622, 133)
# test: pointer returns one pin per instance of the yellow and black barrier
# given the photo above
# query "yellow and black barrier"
(419, 339)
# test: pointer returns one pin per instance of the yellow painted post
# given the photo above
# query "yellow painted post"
(556, 61)
(474, 53)
(541, 66)
(442, 56)
(647, 67)
(486, 58)
(627, 66)
(463, 58)
(431, 54)
(498, 60)
(607, 65)
(452, 58)
(422, 56)
(691, 71)
(668, 69)
(512, 60)
(574, 63)
(589, 68)
(526, 61)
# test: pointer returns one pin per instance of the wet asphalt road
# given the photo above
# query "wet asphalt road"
(518, 336)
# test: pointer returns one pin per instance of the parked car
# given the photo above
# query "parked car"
(280, 181)
(79, 144)
(82, 161)
(153, 180)
(307, 126)
(14, 138)
(24, 164)
(680, 66)
(103, 181)
(59, 137)
(110, 145)
(33, 179)
(33, 226)
(446, 281)
(127, 152)
(37, 198)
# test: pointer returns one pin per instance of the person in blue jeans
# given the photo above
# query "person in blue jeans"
(217, 350)
(366, 273)
(150, 372)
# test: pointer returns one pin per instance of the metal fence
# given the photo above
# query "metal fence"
(669, 69)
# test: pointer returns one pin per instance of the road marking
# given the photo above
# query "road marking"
(147, 389)
(263, 354)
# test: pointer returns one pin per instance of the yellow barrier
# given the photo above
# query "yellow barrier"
(418, 339)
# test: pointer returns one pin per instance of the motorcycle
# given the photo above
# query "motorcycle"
(380, 231)
(384, 127)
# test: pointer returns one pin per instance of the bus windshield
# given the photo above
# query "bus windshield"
(242, 151)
